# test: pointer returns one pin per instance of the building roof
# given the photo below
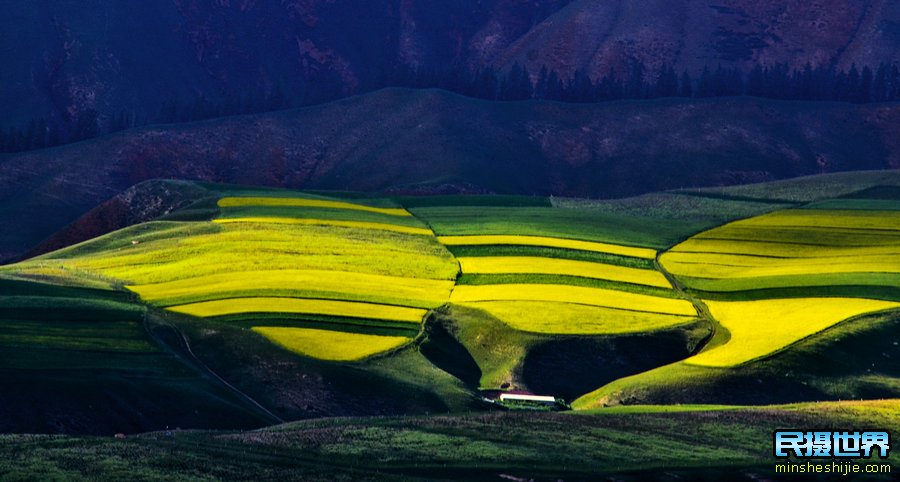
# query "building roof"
(527, 398)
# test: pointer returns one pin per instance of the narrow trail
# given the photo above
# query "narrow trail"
(717, 330)
(209, 371)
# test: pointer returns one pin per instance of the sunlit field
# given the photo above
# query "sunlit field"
(344, 267)
(525, 265)
(207, 309)
(761, 328)
(550, 317)
(544, 241)
(330, 345)
(573, 294)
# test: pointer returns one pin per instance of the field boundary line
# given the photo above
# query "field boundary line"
(205, 368)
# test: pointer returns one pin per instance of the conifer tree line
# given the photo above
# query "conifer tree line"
(823, 83)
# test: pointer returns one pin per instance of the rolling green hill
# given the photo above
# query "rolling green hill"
(637, 444)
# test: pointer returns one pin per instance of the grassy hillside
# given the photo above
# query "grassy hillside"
(641, 443)
(86, 360)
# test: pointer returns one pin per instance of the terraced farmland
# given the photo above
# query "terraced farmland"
(514, 287)
(559, 271)
(548, 242)
(771, 280)
(274, 305)
(282, 261)
(761, 328)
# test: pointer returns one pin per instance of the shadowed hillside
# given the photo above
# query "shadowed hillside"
(85, 63)
(432, 141)
(600, 35)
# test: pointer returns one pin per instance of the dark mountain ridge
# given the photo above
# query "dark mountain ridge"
(79, 68)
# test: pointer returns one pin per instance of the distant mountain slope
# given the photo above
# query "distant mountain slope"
(599, 35)
(133, 56)
(76, 59)
(432, 141)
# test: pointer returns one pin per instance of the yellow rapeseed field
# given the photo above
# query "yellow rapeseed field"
(352, 309)
(714, 265)
(585, 269)
(302, 283)
(548, 242)
(783, 250)
(330, 345)
(572, 294)
(328, 222)
(573, 319)
(310, 203)
(792, 243)
(821, 218)
(760, 328)
(253, 247)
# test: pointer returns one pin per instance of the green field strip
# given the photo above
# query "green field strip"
(205, 209)
(238, 202)
(573, 294)
(884, 262)
(549, 279)
(734, 197)
(568, 223)
(819, 219)
(876, 192)
(784, 249)
(125, 336)
(323, 284)
(70, 309)
(811, 281)
(9, 287)
(59, 361)
(468, 251)
(208, 309)
(735, 266)
(473, 200)
(812, 188)
(300, 294)
(124, 329)
(806, 236)
(548, 242)
(356, 198)
(856, 204)
(555, 318)
(750, 292)
(324, 322)
(61, 302)
(561, 267)
(252, 212)
(761, 328)
(70, 342)
(327, 222)
(52, 272)
(144, 234)
(347, 323)
(330, 345)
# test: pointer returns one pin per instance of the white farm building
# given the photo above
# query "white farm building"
(514, 397)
